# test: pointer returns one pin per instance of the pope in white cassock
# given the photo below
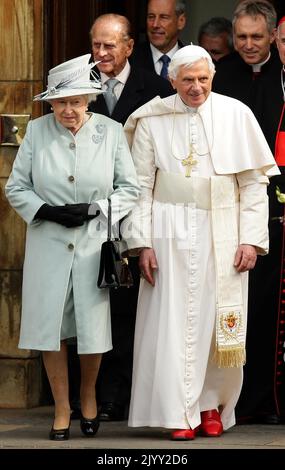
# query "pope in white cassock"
(203, 166)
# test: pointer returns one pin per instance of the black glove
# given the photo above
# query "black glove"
(82, 210)
(62, 215)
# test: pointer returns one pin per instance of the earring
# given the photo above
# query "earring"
(51, 108)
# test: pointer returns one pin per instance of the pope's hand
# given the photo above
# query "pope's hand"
(245, 258)
(148, 264)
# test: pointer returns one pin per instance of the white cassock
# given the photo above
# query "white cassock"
(174, 376)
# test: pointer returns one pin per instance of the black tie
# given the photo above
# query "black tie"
(165, 61)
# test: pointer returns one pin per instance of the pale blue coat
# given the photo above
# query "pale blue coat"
(54, 166)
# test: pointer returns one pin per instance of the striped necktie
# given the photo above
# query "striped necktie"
(109, 95)
(165, 61)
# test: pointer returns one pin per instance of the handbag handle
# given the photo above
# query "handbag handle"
(109, 235)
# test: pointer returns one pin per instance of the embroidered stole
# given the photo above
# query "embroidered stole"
(230, 322)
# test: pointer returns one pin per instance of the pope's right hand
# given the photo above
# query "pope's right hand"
(148, 264)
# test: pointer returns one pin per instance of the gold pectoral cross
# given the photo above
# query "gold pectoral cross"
(188, 163)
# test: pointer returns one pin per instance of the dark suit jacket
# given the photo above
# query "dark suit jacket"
(140, 87)
(142, 56)
(114, 382)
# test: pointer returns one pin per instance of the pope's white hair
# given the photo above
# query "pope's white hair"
(175, 65)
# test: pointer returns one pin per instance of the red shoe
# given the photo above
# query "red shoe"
(184, 434)
(211, 424)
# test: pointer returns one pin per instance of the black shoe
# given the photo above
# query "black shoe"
(112, 412)
(89, 427)
(268, 419)
(59, 434)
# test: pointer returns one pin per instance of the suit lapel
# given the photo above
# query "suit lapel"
(129, 98)
(100, 106)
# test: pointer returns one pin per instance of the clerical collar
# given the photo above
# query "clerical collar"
(257, 67)
(190, 109)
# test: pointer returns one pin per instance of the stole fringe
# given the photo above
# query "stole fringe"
(229, 357)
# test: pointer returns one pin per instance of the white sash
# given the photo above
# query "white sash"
(176, 189)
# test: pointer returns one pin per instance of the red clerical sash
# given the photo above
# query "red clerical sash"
(280, 141)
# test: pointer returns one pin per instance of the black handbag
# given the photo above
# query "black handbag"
(114, 270)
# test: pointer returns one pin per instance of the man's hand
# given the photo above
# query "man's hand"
(245, 258)
(148, 264)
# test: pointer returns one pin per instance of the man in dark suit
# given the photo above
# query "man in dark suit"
(112, 45)
(252, 75)
(165, 19)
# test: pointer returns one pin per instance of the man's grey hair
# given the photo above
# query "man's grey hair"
(254, 9)
(180, 7)
(175, 65)
(216, 26)
(125, 24)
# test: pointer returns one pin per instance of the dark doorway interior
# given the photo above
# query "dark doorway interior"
(68, 22)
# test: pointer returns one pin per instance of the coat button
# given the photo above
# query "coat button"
(71, 178)
(70, 246)
(72, 145)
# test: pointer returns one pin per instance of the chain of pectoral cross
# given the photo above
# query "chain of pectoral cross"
(190, 161)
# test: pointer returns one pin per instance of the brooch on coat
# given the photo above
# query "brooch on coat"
(101, 132)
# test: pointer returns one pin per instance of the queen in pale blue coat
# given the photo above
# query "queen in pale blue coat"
(69, 164)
